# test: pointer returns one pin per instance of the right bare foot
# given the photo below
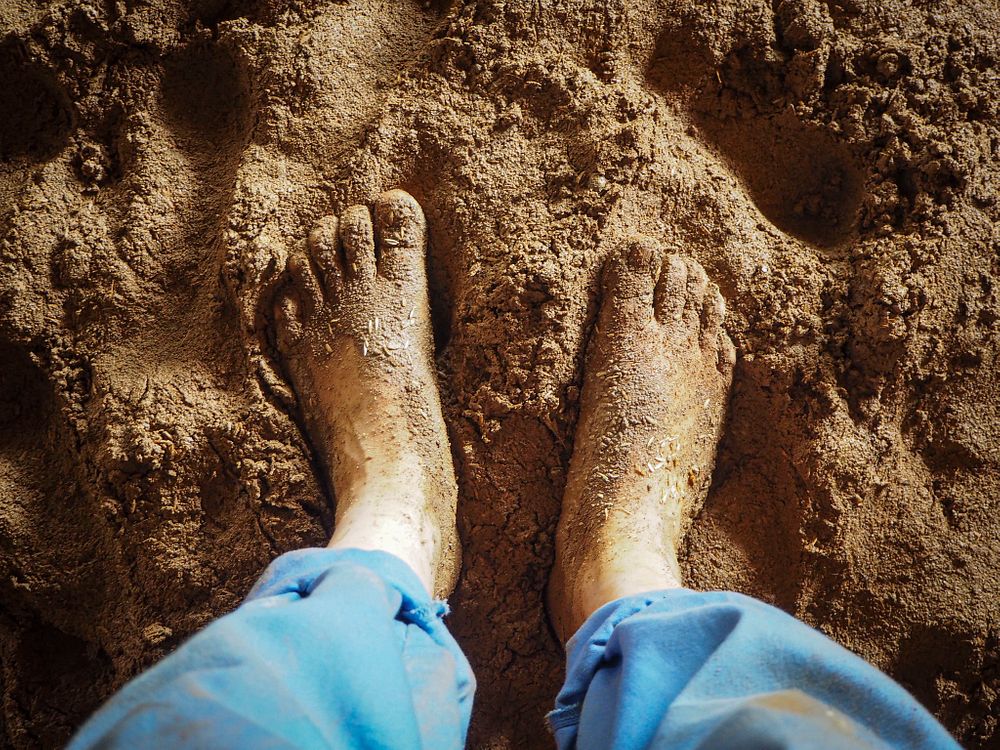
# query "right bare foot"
(654, 394)
(354, 331)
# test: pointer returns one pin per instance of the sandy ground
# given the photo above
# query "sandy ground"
(833, 165)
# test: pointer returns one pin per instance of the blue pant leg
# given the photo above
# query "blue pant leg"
(682, 670)
(332, 648)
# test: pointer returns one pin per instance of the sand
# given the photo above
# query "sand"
(833, 165)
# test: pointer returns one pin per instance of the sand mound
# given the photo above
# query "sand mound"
(833, 165)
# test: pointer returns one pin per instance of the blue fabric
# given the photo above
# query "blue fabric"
(332, 648)
(346, 649)
(681, 669)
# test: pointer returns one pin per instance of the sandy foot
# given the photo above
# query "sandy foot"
(354, 332)
(656, 383)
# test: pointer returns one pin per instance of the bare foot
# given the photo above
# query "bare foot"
(656, 383)
(354, 331)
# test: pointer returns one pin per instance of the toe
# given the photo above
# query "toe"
(713, 312)
(288, 318)
(358, 241)
(305, 284)
(630, 274)
(697, 285)
(671, 289)
(323, 244)
(400, 235)
(727, 354)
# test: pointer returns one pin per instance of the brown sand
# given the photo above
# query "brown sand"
(833, 165)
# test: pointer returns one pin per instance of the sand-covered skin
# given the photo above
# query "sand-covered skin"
(655, 389)
(353, 327)
(833, 166)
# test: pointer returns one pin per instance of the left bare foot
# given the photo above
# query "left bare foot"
(354, 331)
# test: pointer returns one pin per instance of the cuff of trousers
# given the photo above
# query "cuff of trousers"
(302, 570)
(585, 653)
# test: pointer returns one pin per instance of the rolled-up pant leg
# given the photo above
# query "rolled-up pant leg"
(332, 648)
(681, 669)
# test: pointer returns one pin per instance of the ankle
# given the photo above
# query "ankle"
(412, 539)
(606, 578)
(631, 574)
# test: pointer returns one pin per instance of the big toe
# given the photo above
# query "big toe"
(630, 275)
(400, 236)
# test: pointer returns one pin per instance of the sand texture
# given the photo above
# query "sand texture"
(833, 165)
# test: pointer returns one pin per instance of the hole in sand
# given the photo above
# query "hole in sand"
(25, 399)
(205, 97)
(801, 179)
(35, 120)
(210, 13)
(59, 670)
(441, 266)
